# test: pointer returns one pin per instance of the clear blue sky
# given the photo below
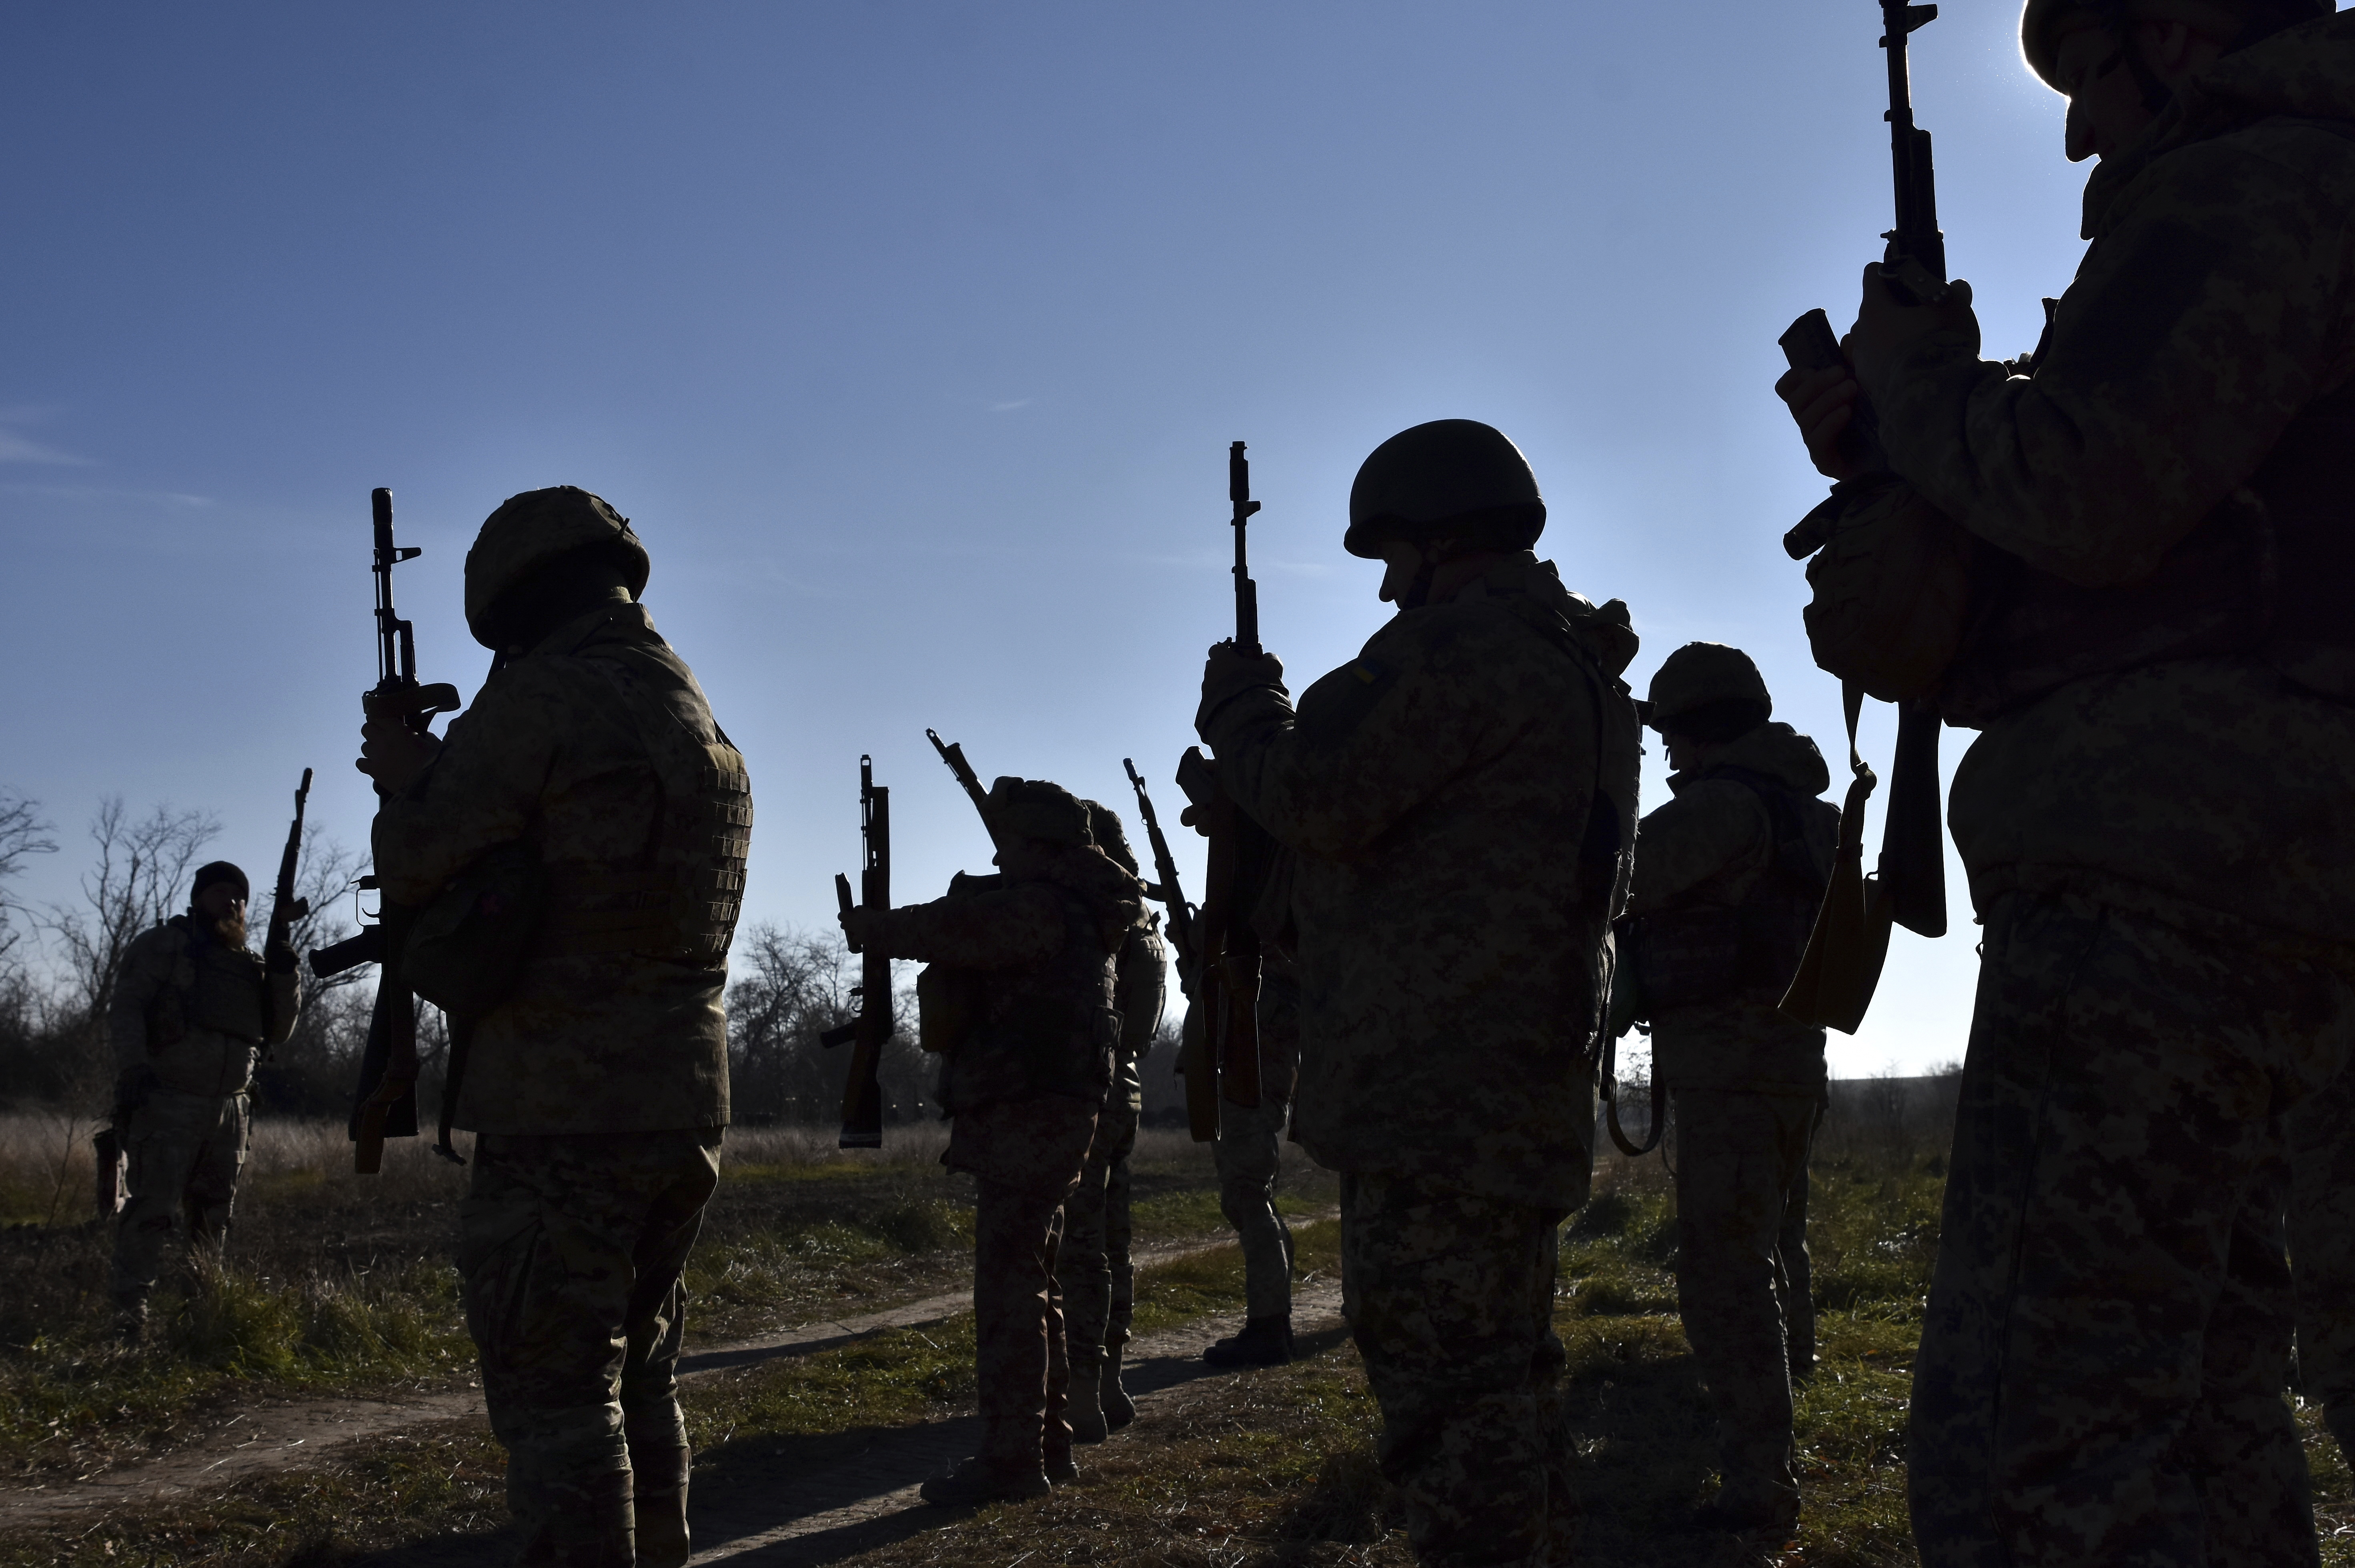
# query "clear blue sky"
(912, 337)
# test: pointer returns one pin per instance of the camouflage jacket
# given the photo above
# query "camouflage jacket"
(194, 1013)
(1141, 987)
(1712, 845)
(2215, 304)
(586, 1042)
(1462, 797)
(1046, 952)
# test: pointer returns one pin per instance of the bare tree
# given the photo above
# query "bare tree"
(21, 834)
(794, 986)
(142, 871)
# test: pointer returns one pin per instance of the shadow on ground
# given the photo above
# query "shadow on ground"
(804, 1501)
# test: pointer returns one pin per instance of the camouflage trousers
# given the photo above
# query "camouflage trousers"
(1450, 1300)
(2102, 1362)
(570, 1255)
(1092, 1269)
(1250, 1156)
(1025, 1157)
(186, 1153)
(2322, 1251)
(1741, 1272)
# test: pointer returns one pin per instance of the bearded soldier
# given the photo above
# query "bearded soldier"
(1461, 798)
(2155, 816)
(597, 1088)
(1037, 948)
(1093, 1268)
(191, 1011)
(1729, 875)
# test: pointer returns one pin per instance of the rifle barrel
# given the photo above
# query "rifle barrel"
(1246, 591)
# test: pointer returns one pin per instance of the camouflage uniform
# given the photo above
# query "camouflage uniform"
(187, 1020)
(599, 1087)
(1022, 1088)
(2155, 826)
(1748, 1088)
(1458, 796)
(1092, 1269)
(1250, 1149)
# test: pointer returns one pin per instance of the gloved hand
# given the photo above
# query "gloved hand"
(860, 925)
(1229, 673)
(279, 957)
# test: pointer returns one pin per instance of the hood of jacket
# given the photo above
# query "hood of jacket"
(1605, 631)
(1776, 751)
(2306, 72)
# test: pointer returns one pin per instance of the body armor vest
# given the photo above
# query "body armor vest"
(212, 988)
(1049, 1028)
(1687, 956)
(679, 901)
(2270, 571)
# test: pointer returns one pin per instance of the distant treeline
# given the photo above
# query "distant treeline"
(59, 963)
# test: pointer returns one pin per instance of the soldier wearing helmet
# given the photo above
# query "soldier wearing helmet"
(1729, 874)
(1092, 1267)
(1038, 949)
(1461, 801)
(597, 1089)
(2154, 816)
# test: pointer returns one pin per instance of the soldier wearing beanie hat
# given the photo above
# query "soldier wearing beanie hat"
(1728, 877)
(1036, 949)
(191, 1012)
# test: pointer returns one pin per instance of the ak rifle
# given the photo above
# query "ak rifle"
(862, 1090)
(385, 1103)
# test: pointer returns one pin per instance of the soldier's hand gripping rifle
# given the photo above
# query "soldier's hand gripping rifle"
(1196, 1063)
(1837, 977)
(862, 1091)
(385, 1103)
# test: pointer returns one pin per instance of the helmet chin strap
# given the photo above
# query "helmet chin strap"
(1434, 556)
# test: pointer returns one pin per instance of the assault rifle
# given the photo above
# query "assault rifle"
(862, 1091)
(1836, 979)
(285, 909)
(385, 1103)
(1221, 1056)
(952, 753)
(1194, 1064)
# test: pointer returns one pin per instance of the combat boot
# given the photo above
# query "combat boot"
(1777, 1512)
(589, 1523)
(1085, 1411)
(1264, 1342)
(981, 1479)
(1061, 1468)
(659, 1479)
(1119, 1410)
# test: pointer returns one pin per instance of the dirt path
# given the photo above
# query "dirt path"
(281, 1435)
(869, 1498)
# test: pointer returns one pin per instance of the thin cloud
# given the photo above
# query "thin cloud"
(15, 448)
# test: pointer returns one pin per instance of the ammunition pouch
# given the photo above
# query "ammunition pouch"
(470, 943)
(949, 1006)
(1893, 581)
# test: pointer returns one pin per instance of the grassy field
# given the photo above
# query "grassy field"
(1270, 1467)
(342, 1284)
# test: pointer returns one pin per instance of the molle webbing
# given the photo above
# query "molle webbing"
(681, 897)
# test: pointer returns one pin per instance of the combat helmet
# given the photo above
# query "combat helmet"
(1455, 479)
(531, 532)
(1707, 690)
(1034, 808)
(2244, 22)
